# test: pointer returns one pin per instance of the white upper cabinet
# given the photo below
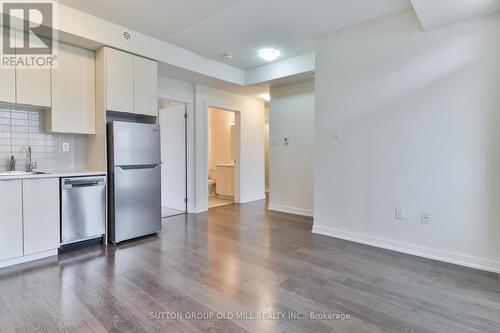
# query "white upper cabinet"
(73, 92)
(41, 215)
(119, 80)
(33, 84)
(7, 85)
(130, 82)
(33, 87)
(7, 81)
(145, 86)
(11, 219)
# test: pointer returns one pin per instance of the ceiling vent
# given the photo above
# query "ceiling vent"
(127, 36)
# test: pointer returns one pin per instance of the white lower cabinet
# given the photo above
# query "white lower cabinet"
(41, 215)
(29, 219)
(11, 219)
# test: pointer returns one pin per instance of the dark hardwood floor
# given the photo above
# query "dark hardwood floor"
(244, 261)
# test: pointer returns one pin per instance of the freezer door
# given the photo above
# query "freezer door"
(137, 202)
(135, 144)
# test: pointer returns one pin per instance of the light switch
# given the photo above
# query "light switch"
(400, 214)
(65, 146)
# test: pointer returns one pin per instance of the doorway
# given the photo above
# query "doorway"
(223, 156)
(173, 132)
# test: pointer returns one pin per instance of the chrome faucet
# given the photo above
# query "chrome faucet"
(12, 164)
(30, 166)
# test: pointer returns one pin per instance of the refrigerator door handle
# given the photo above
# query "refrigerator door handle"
(135, 167)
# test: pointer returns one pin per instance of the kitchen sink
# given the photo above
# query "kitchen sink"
(21, 173)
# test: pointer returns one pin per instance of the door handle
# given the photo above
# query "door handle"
(138, 167)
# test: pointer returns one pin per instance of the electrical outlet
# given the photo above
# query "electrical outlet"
(425, 218)
(400, 214)
(65, 146)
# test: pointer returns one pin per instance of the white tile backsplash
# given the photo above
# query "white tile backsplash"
(20, 129)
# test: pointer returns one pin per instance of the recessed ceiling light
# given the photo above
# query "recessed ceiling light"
(269, 54)
(227, 56)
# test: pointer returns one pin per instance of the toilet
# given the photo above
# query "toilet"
(211, 187)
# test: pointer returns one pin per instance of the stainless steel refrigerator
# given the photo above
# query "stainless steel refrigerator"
(134, 183)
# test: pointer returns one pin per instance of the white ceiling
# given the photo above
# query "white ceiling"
(214, 27)
(434, 14)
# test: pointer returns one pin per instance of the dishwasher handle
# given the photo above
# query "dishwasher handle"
(69, 183)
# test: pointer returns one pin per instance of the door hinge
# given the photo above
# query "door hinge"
(185, 115)
(186, 200)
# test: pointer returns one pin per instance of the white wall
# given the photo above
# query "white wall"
(419, 115)
(175, 90)
(291, 170)
(251, 163)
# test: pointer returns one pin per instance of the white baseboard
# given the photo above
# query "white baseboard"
(291, 210)
(416, 250)
(25, 259)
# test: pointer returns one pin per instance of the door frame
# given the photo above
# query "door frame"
(238, 146)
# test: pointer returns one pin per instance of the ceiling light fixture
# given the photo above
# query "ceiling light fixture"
(227, 56)
(269, 54)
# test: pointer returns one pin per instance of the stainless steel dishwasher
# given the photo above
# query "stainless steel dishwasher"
(83, 210)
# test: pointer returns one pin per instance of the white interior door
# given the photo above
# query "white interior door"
(173, 156)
